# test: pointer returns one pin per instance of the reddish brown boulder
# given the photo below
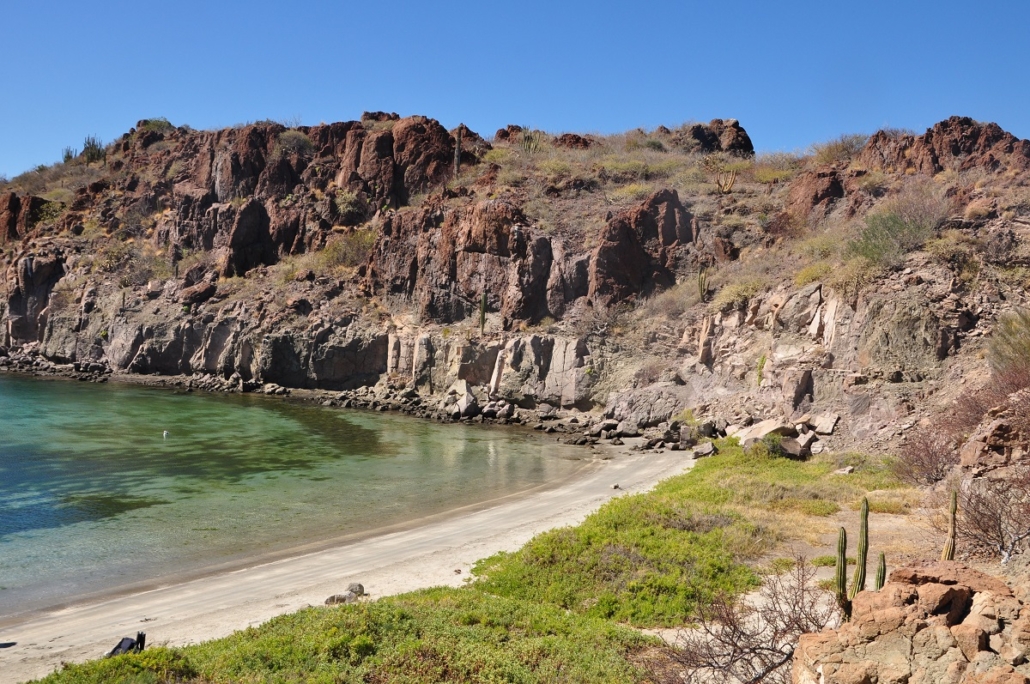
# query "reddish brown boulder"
(379, 116)
(571, 141)
(10, 207)
(509, 132)
(957, 142)
(814, 193)
(198, 294)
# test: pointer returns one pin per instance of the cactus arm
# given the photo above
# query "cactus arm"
(881, 572)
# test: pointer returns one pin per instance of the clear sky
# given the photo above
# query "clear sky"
(792, 72)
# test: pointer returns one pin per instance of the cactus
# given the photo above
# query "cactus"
(949, 546)
(482, 314)
(844, 595)
(457, 152)
(702, 284)
(841, 579)
(858, 582)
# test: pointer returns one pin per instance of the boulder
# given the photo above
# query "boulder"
(704, 449)
(930, 623)
(651, 405)
(356, 588)
(760, 430)
(824, 423)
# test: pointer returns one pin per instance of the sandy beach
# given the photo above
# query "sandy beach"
(427, 554)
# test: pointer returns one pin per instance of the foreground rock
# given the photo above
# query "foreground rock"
(934, 623)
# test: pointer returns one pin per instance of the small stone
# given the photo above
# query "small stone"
(346, 597)
(846, 470)
(357, 588)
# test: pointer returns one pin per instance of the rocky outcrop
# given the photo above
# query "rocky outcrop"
(34, 278)
(1001, 440)
(444, 260)
(637, 249)
(931, 623)
(814, 193)
(959, 142)
(718, 135)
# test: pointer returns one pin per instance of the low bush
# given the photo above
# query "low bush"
(158, 125)
(291, 143)
(840, 149)
(927, 457)
(349, 250)
(1008, 351)
(453, 635)
(736, 295)
(813, 273)
(651, 559)
(634, 192)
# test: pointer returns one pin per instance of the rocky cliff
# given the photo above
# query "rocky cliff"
(635, 275)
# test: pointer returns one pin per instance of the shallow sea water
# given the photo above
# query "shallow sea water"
(94, 497)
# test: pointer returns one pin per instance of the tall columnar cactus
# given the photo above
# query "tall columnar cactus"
(949, 546)
(843, 594)
(702, 284)
(858, 582)
(841, 579)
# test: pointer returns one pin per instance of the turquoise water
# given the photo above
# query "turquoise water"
(93, 496)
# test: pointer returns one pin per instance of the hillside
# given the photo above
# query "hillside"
(637, 274)
(859, 300)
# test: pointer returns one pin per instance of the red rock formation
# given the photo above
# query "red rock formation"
(959, 142)
(930, 623)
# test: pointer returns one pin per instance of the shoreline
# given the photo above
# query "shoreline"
(427, 552)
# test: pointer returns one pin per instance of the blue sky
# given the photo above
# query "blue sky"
(793, 73)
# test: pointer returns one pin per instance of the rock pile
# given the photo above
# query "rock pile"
(935, 623)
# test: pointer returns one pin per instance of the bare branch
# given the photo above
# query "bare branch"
(751, 641)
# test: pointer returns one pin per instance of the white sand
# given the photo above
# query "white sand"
(423, 556)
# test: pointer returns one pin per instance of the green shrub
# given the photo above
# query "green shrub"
(736, 295)
(158, 125)
(350, 207)
(633, 192)
(812, 273)
(1008, 351)
(840, 149)
(887, 238)
(435, 635)
(350, 249)
(291, 143)
(904, 223)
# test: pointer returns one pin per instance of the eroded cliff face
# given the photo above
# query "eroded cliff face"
(232, 215)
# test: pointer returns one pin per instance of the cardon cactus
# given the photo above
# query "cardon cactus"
(949, 546)
(841, 579)
(858, 582)
(843, 593)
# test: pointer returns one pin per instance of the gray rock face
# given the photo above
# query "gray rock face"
(649, 406)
